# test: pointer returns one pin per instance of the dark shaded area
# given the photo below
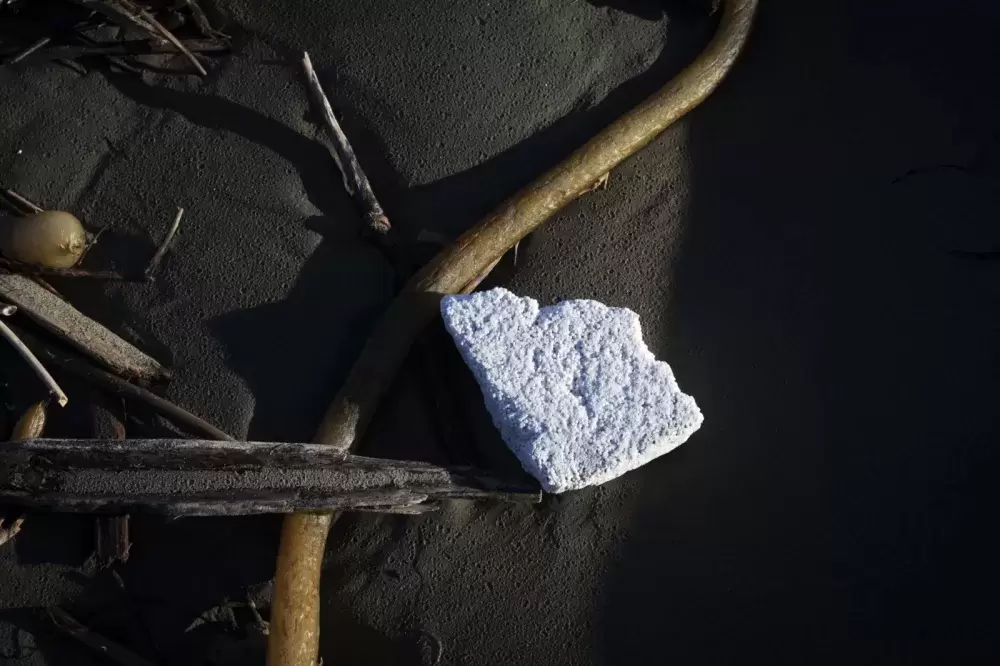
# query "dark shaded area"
(844, 355)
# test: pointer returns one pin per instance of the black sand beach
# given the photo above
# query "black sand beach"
(813, 250)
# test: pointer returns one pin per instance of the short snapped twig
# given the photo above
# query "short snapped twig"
(35, 364)
(355, 181)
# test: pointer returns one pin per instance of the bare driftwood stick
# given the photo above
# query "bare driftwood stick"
(132, 47)
(294, 639)
(35, 364)
(355, 181)
(170, 37)
(78, 330)
(112, 539)
(67, 624)
(117, 386)
(154, 263)
(28, 50)
(36, 271)
(207, 478)
(24, 206)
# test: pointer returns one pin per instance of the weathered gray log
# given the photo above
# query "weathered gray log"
(205, 478)
(73, 327)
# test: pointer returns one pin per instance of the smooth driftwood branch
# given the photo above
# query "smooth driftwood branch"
(117, 386)
(22, 349)
(294, 639)
(355, 181)
(79, 331)
(184, 477)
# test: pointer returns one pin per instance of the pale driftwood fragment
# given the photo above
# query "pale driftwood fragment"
(78, 330)
(184, 477)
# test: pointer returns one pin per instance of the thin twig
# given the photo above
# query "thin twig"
(113, 651)
(28, 50)
(35, 270)
(355, 181)
(117, 386)
(170, 37)
(35, 364)
(27, 206)
(164, 246)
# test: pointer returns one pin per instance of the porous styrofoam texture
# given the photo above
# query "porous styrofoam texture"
(575, 392)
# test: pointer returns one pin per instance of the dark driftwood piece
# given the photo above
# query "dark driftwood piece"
(117, 386)
(74, 328)
(112, 539)
(206, 478)
(111, 650)
(128, 48)
(355, 181)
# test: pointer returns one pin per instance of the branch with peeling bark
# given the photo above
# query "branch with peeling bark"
(294, 639)
(182, 477)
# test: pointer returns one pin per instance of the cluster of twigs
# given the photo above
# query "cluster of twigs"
(67, 30)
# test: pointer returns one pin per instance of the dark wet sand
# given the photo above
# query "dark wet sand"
(822, 285)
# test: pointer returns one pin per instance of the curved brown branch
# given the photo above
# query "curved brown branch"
(294, 639)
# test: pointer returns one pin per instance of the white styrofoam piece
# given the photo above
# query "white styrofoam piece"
(572, 387)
